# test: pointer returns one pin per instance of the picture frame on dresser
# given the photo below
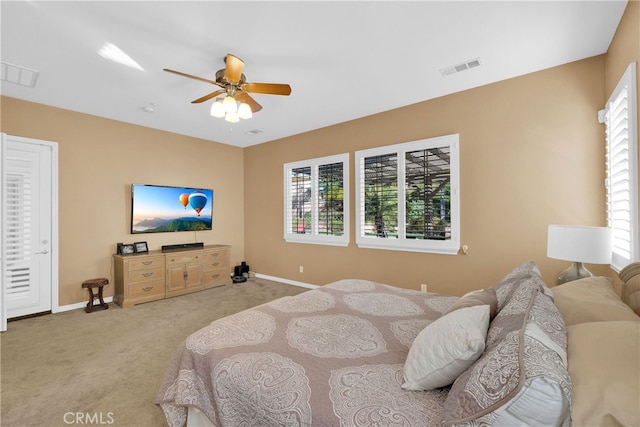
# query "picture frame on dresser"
(141, 247)
(126, 249)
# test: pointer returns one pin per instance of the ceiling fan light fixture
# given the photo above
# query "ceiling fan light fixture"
(232, 117)
(230, 105)
(232, 82)
(244, 111)
(217, 109)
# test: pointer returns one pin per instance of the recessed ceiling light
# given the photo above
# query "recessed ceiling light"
(114, 53)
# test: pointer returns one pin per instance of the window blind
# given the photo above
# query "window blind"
(407, 196)
(622, 176)
(380, 204)
(316, 197)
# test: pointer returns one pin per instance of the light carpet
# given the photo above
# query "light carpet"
(105, 367)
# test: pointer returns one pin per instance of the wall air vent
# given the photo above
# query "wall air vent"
(473, 63)
(22, 76)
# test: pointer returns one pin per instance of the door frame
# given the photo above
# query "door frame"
(54, 223)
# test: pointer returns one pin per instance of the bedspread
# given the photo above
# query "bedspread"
(329, 356)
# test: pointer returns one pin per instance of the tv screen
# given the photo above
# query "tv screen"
(159, 209)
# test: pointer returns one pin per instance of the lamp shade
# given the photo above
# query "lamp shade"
(579, 243)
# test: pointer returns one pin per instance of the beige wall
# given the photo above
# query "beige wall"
(624, 48)
(99, 159)
(531, 154)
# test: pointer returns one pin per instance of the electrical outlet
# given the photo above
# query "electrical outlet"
(423, 288)
(301, 269)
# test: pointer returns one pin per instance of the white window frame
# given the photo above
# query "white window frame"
(314, 237)
(622, 211)
(448, 247)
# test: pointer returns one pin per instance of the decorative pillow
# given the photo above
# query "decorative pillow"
(523, 367)
(445, 348)
(589, 300)
(511, 281)
(480, 297)
(604, 364)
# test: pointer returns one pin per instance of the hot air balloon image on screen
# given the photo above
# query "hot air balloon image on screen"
(197, 201)
(157, 209)
(184, 199)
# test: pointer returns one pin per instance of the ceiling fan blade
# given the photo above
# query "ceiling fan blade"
(245, 97)
(268, 88)
(233, 72)
(208, 97)
(191, 76)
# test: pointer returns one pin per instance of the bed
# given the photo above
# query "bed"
(360, 353)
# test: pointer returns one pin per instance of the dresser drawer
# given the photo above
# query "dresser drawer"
(212, 277)
(146, 275)
(215, 263)
(183, 258)
(147, 289)
(145, 263)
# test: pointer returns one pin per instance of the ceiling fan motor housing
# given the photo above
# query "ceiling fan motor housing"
(220, 78)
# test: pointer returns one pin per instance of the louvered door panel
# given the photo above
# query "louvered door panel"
(18, 231)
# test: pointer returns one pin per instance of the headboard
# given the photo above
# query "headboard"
(630, 276)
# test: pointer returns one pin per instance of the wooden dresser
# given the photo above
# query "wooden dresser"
(156, 275)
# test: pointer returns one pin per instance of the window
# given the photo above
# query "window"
(620, 118)
(316, 201)
(407, 196)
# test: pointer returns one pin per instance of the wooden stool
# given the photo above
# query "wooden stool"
(95, 283)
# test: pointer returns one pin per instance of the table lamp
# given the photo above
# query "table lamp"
(578, 244)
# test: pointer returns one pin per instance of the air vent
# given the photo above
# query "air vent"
(19, 75)
(473, 63)
(253, 132)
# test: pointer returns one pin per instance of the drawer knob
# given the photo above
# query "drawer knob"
(147, 262)
(147, 288)
(215, 264)
(147, 274)
(215, 276)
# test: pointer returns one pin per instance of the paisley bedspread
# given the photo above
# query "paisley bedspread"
(327, 357)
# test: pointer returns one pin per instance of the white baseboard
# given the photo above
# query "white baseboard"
(287, 281)
(77, 305)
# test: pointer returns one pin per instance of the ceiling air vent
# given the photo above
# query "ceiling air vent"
(473, 63)
(22, 76)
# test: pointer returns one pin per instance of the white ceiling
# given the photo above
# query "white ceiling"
(343, 60)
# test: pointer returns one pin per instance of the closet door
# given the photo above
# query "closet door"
(29, 225)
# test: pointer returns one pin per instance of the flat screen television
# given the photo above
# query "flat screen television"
(159, 209)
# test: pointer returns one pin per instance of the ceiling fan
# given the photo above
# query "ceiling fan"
(233, 84)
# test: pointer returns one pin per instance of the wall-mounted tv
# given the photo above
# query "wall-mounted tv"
(158, 209)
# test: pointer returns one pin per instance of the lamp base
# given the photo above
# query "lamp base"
(575, 272)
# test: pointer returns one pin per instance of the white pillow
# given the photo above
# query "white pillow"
(446, 348)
